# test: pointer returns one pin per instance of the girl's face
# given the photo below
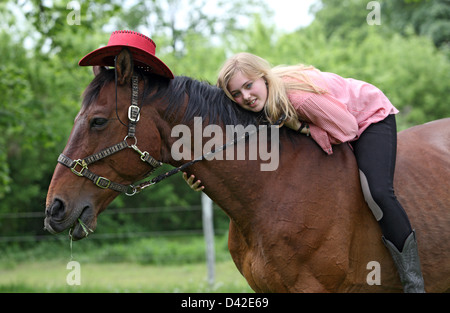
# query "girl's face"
(249, 94)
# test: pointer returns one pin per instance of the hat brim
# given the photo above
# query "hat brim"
(105, 57)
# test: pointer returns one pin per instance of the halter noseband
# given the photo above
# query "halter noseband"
(80, 167)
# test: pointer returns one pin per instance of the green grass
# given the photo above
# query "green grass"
(142, 265)
(121, 277)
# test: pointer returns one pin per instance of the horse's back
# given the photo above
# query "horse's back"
(422, 185)
(433, 137)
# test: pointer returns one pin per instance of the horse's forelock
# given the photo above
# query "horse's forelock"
(92, 91)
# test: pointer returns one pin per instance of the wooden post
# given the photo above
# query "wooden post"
(208, 231)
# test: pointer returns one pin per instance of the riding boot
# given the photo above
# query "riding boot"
(408, 264)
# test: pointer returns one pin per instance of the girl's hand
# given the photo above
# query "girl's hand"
(190, 181)
(295, 124)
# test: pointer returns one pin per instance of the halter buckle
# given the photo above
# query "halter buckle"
(102, 182)
(134, 113)
(81, 163)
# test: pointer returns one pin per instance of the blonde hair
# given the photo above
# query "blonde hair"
(255, 67)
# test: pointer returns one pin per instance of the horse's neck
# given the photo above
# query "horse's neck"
(234, 186)
(242, 188)
(230, 182)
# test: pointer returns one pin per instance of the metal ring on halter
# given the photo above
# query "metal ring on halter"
(135, 141)
(133, 191)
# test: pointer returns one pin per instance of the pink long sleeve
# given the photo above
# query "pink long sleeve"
(332, 116)
(340, 115)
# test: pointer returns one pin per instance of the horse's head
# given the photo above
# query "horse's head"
(100, 157)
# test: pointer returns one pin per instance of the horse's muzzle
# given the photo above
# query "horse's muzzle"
(59, 217)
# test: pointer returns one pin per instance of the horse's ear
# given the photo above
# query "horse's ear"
(98, 69)
(124, 66)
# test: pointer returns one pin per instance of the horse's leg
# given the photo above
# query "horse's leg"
(240, 251)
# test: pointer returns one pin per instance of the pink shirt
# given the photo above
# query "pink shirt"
(347, 108)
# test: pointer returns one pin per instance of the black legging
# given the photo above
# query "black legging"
(375, 153)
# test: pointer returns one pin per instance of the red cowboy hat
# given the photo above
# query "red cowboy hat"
(141, 47)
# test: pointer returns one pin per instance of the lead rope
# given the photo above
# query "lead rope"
(161, 177)
(70, 244)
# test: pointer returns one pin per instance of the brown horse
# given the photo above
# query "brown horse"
(302, 228)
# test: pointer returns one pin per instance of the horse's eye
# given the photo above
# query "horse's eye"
(98, 122)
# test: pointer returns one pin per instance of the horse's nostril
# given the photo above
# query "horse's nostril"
(56, 210)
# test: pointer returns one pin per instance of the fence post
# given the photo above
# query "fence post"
(208, 231)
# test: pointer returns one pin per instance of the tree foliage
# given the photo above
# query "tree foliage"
(41, 83)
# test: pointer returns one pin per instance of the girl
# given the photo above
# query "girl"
(334, 110)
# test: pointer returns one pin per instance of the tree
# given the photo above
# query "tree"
(424, 17)
(427, 18)
(41, 87)
(15, 93)
(174, 23)
(41, 84)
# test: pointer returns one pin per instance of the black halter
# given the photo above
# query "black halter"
(80, 167)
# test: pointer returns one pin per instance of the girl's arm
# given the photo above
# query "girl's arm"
(330, 115)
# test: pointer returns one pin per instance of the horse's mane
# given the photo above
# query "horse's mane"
(205, 100)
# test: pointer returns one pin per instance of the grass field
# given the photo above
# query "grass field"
(121, 277)
(148, 265)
